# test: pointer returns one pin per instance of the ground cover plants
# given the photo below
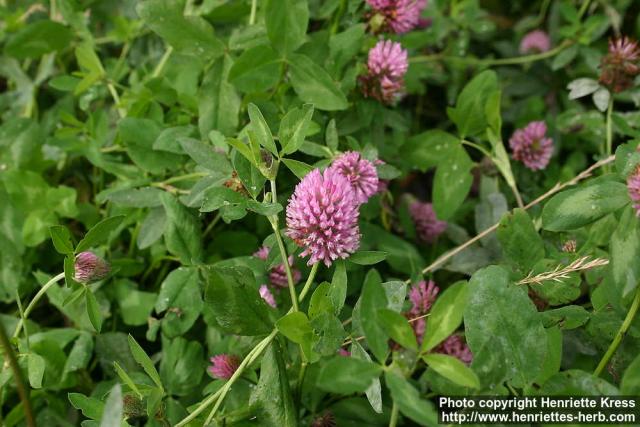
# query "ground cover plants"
(314, 213)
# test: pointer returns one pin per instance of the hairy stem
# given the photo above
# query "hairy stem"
(17, 376)
(283, 250)
(35, 300)
(609, 146)
(633, 310)
(307, 285)
(393, 421)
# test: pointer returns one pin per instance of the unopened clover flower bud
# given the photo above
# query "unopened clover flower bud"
(223, 366)
(89, 267)
(267, 296)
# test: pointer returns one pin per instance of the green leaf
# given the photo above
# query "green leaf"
(261, 129)
(429, 149)
(205, 155)
(575, 382)
(189, 35)
(452, 182)
(331, 135)
(180, 297)
(553, 355)
(469, 113)
(371, 299)
(135, 306)
(233, 296)
(152, 228)
(256, 70)
(581, 206)
(139, 135)
(521, 243)
(272, 397)
(38, 38)
(286, 22)
(568, 317)
(320, 301)
(146, 197)
(564, 57)
(99, 233)
(127, 379)
(93, 310)
(452, 369)
(143, 360)
(446, 315)
(630, 384)
(398, 328)
(179, 366)
(112, 414)
(338, 289)
(374, 391)
(61, 239)
(624, 250)
(35, 366)
(218, 100)
(314, 85)
(328, 332)
(408, 400)
(91, 407)
(299, 169)
(500, 317)
(293, 128)
(346, 375)
(368, 257)
(182, 234)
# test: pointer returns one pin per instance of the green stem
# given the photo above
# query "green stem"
(212, 224)
(307, 285)
(35, 300)
(609, 147)
(525, 59)
(254, 7)
(393, 421)
(283, 252)
(620, 334)
(163, 61)
(17, 376)
(203, 405)
(477, 147)
(183, 178)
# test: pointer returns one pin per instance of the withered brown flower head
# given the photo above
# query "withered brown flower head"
(620, 65)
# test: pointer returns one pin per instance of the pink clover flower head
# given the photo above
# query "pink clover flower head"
(621, 64)
(267, 296)
(531, 146)
(399, 16)
(344, 352)
(89, 267)
(262, 253)
(535, 41)
(360, 172)
(386, 66)
(422, 297)
(428, 226)
(633, 185)
(455, 346)
(223, 366)
(322, 217)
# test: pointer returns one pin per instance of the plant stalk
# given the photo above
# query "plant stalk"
(631, 314)
(17, 375)
(35, 300)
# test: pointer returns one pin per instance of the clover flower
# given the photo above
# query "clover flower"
(456, 347)
(386, 66)
(535, 41)
(530, 145)
(223, 366)
(633, 185)
(267, 296)
(621, 64)
(278, 274)
(360, 172)
(428, 226)
(89, 267)
(422, 297)
(322, 217)
(398, 16)
(325, 420)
